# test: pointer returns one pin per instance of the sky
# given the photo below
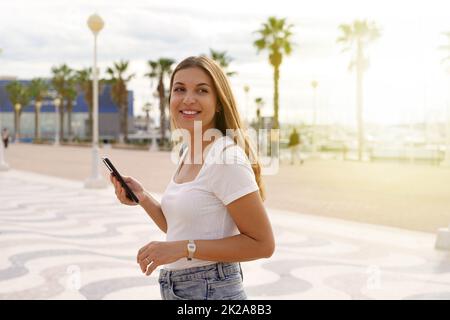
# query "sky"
(406, 81)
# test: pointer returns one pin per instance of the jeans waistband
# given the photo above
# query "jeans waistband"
(221, 269)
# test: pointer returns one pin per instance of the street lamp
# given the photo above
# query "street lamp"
(96, 24)
(17, 108)
(37, 129)
(57, 102)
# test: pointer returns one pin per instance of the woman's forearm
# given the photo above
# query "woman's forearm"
(153, 209)
(237, 248)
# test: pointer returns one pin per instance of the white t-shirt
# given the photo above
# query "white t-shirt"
(196, 210)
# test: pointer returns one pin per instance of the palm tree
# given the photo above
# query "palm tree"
(119, 94)
(19, 96)
(359, 35)
(62, 82)
(38, 90)
(276, 38)
(159, 70)
(223, 60)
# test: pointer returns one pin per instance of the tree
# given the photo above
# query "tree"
(19, 95)
(159, 70)
(62, 82)
(223, 60)
(119, 94)
(358, 36)
(276, 38)
(38, 90)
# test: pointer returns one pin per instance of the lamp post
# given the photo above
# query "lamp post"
(37, 129)
(3, 165)
(96, 24)
(57, 102)
(17, 108)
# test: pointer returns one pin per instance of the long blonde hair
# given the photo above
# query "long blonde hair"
(228, 115)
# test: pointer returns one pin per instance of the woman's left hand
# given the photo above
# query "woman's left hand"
(157, 253)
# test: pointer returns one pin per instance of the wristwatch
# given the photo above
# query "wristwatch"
(191, 247)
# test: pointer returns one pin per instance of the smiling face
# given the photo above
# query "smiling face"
(193, 98)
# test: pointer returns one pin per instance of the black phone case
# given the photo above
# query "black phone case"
(110, 166)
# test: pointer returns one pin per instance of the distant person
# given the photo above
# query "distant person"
(294, 145)
(5, 137)
(212, 210)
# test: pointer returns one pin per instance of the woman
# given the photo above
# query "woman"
(212, 210)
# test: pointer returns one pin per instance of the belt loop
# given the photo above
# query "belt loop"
(168, 274)
(220, 270)
(240, 269)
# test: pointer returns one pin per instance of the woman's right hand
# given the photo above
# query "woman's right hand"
(133, 184)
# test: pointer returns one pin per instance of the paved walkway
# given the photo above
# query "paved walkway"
(61, 241)
(414, 197)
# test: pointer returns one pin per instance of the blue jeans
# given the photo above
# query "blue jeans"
(219, 281)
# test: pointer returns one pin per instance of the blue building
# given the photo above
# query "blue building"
(108, 116)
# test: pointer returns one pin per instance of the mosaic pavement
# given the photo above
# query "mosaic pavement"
(61, 241)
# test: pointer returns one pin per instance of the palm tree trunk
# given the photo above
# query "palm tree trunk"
(69, 116)
(121, 126)
(276, 77)
(162, 110)
(37, 128)
(125, 119)
(359, 100)
(16, 126)
(61, 121)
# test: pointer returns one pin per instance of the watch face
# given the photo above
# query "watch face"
(191, 247)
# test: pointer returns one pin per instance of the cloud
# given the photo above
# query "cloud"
(40, 34)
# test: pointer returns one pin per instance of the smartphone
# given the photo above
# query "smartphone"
(130, 194)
